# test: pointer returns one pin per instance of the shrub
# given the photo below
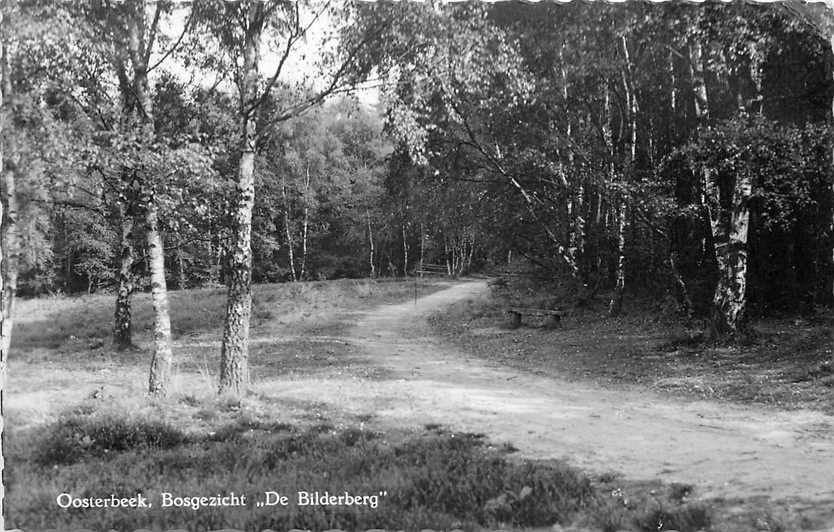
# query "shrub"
(76, 438)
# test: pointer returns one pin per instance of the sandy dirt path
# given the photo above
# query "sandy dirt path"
(725, 450)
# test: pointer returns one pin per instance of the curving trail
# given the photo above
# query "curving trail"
(726, 450)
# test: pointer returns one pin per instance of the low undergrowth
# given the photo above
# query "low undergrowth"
(434, 479)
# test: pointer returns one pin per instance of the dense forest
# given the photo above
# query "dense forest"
(660, 150)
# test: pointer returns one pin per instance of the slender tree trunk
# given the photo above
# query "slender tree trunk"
(234, 355)
(576, 245)
(288, 231)
(699, 86)
(471, 252)
(829, 257)
(615, 306)
(405, 253)
(684, 299)
(290, 247)
(455, 251)
(701, 100)
(9, 217)
(67, 260)
(576, 237)
(181, 283)
(673, 99)
(303, 246)
(160, 373)
(162, 355)
(371, 244)
(446, 256)
(122, 333)
(422, 246)
(305, 224)
(5, 321)
(215, 260)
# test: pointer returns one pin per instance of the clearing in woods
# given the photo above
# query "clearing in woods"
(383, 363)
(727, 451)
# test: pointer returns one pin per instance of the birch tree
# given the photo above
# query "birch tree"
(240, 28)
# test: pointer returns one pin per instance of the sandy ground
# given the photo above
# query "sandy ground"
(728, 451)
(400, 376)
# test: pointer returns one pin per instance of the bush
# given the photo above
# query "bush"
(76, 438)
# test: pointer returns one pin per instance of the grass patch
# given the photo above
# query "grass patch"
(436, 479)
(439, 480)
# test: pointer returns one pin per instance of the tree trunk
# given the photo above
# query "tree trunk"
(576, 245)
(471, 252)
(305, 224)
(405, 253)
(160, 373)
(422, 246)
(829, 256)
(288, 231)
(699, 86)
(576, 228)
(234, 355)
(162, 355)
(5, 321)
(214, 259)
(371, 244)
(122, 334)
(615, 306)
(726, 231)
(181, 283)
(446, 255)
(684, 299)
(730, 241)
(9, 216)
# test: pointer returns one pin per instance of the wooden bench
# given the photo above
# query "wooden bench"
(553, 320)
(432, 269)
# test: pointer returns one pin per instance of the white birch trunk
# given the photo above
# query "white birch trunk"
(305, 224)
(288, 231)
(234, 354)
(162, 354)
(9, 217)
(422, 246)
(371, 245)
(5, 321)
(730, 297)
(160, 373)
(405, 253)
